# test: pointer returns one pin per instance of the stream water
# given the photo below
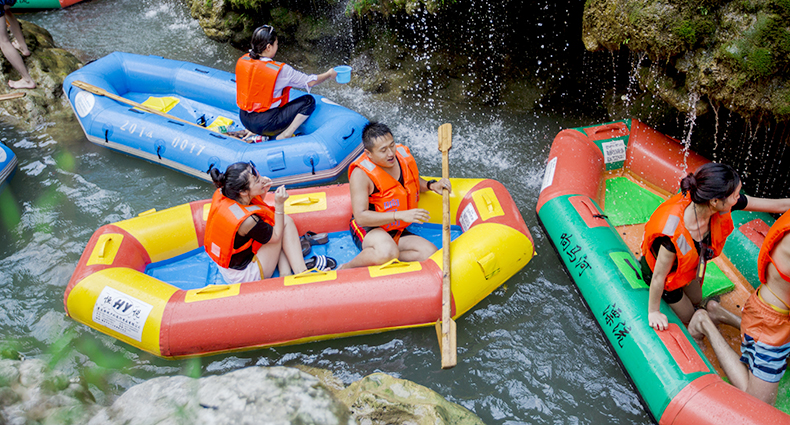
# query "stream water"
(529, 353)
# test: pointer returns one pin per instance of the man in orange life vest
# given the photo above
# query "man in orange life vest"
(385, 186)
(765, 323)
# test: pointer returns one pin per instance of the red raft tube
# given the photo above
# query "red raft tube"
(119, 286)
(597, 234)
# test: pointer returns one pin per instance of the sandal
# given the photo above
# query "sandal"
(306, 248)
(321, 262)
(315, 238)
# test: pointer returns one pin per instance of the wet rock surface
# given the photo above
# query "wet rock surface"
(48, 65)
(30, 392)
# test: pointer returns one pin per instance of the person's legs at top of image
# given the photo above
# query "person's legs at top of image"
(11, 53)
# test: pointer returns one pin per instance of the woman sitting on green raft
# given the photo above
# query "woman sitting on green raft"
(685, 232)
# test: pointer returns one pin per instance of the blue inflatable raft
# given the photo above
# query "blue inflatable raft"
(194, 106)
(8, 164)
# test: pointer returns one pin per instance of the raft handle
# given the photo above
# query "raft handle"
(310, 273)
(201, 71)
(213, 288)
(158, 150)
(306, 201)
(105, 135)
(489, 203)
(103, 247)
(593, 211)
(312, 164)
(613, 127)
(176, 122)
(394, 263)
(349, 135)
(218, 136)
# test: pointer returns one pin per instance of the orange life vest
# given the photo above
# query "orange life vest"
(255, 84)
(667, 220)
(391, 195)
(224, 219)
(775, 234)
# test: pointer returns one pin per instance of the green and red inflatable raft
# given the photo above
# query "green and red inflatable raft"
(43, 4)
(600, 186)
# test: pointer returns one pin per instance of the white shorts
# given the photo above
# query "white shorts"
(251, 273)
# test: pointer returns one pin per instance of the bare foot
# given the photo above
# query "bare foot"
(719, 314)
(24, 52)
(697, 323)
(22, 84)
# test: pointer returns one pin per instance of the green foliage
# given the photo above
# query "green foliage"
(759, 62)
(782, 103)
(387, 7)
(693, 30)
(9, 350)
(781, 7)
(748, 6)
(765, 49)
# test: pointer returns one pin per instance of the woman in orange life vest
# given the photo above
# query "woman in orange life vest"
(685, 232)
(263, 86)
(246, 237)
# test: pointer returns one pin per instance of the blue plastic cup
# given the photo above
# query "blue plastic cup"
(343, 74)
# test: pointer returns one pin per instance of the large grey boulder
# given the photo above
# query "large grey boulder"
(255, 395)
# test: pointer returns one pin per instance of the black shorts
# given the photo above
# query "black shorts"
(359, 233)
(671, 297)
(275, 120)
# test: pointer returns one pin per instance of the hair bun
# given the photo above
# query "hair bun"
(218, 178)
(253, 54)
(688, 184)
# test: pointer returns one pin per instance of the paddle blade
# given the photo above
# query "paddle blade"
(445, 137)
(447, 344)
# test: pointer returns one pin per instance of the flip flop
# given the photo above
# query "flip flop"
(321, 262)
(315, 238)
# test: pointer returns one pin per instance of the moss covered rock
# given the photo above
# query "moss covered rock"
(48, 65)
(696, 53)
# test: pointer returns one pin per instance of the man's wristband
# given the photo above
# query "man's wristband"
(430, 182)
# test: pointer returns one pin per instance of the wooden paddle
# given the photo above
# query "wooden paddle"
(10, 96)
(447, 341)
(101, 92)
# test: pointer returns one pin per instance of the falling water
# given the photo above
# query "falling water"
(691, 119)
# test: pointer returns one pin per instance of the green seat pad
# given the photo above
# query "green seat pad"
(628, 203)
(716, 283)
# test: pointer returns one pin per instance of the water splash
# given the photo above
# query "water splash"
(691, 119)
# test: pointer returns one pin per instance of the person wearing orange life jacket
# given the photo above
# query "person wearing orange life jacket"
(688, 230)
(263, 89)
(246, 237)
(765, 322)
(385, 185)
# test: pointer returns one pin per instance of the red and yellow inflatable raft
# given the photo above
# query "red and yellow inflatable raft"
(112, 290)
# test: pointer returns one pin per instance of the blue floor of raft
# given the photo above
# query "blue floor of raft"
(195, 269)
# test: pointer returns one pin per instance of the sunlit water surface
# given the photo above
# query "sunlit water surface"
(529, 353)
